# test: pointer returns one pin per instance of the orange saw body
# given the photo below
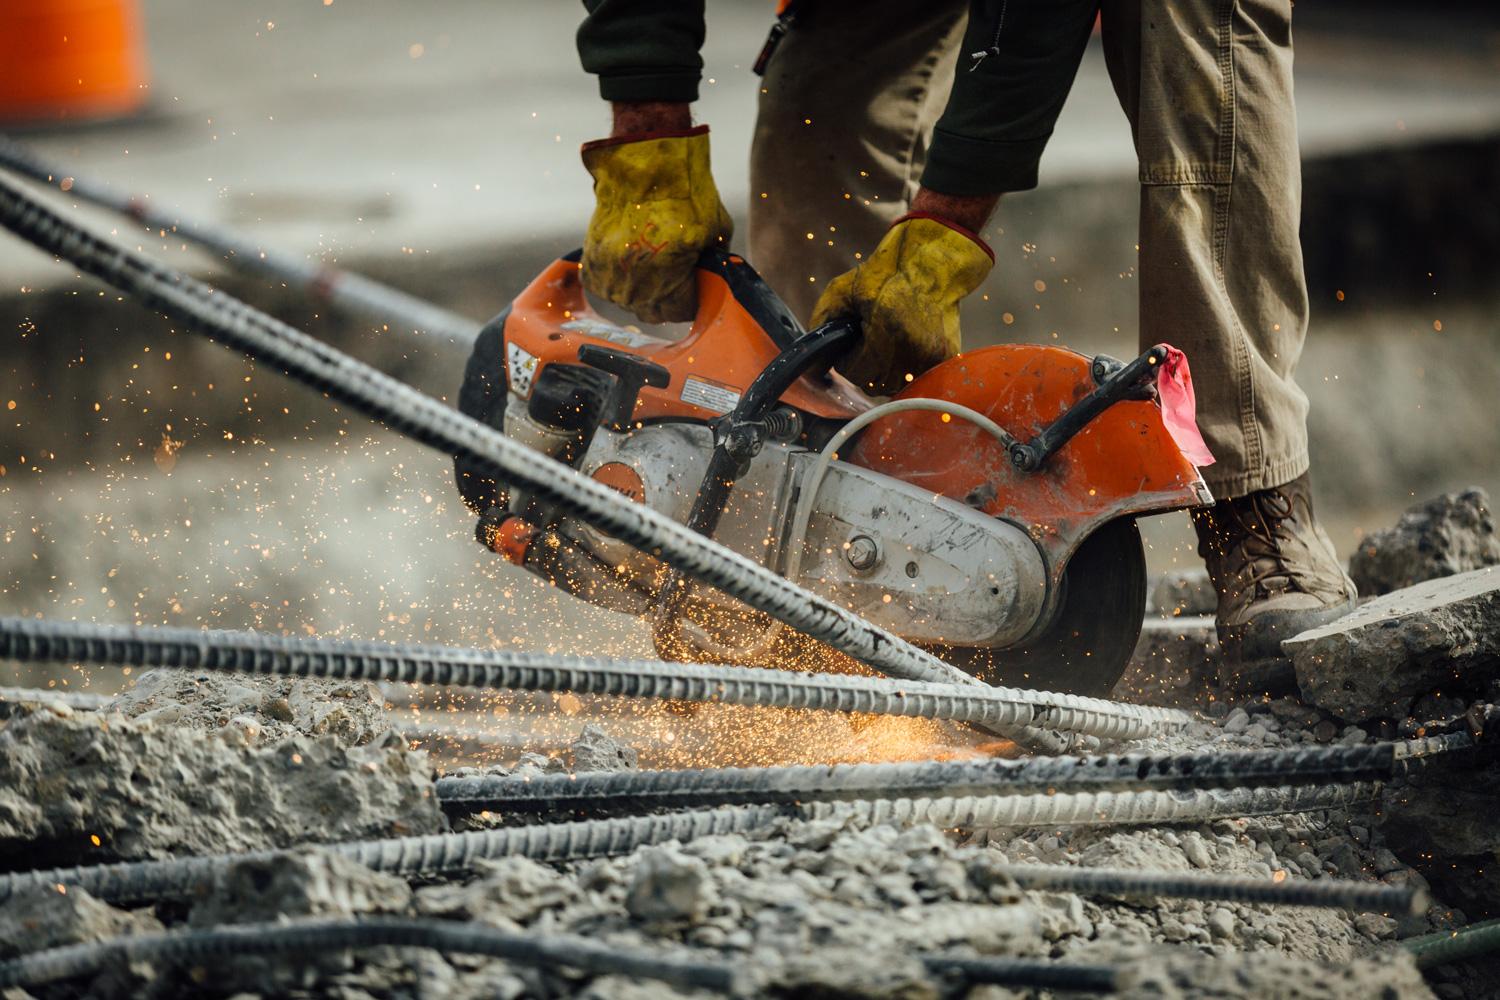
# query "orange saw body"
(1015, 555)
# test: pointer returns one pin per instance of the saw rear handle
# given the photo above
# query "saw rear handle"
(631, 373)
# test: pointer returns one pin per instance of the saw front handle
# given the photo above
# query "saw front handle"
(1124, 382)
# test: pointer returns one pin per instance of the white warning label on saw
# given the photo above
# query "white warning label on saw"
(522, 365)
(709, 395)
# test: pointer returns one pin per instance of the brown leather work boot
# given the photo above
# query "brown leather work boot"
(1273, 567)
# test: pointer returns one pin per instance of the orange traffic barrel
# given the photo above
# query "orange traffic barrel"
(70, 60)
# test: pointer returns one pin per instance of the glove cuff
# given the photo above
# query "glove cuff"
(620, 140)
(949, 223)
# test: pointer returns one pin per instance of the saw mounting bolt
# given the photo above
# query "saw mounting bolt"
(743, 440)
(862, 552)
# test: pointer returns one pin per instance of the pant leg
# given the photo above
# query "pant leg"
(1208, 89)
(847, 107)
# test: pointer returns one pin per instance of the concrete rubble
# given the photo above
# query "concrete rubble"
(257, 709)
(1449, 534)
(1443, 634)
(94, 787)
(827, 908)
(830, 908)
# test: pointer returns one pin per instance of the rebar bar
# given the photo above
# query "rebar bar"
(432, 855)
(312, 937)
(1037, 973)
(1095, 808)
(734, 785)
(338, 287)
(1340, 893)
(450, 853)
(308, 937)
(34, 640)
(1423, 747)
(1447, 947)
(398, 406)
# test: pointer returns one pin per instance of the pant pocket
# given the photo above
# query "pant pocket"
(1185, 131)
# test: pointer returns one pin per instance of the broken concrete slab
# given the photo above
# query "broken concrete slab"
(1453, 533)
(307, 882)
(90, 787)
(1374, 662)
(1178, 974)
(596, 750)
(299, 884)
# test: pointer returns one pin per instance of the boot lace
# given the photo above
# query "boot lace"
(1264, 540)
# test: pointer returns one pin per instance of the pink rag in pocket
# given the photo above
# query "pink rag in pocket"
(1179, 407)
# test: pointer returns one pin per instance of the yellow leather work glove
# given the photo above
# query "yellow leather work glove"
(906, 295)
(655, 210)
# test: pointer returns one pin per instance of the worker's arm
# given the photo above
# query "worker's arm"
(644, 50)
(1018, 62)
(1016, 67)
(656, 208)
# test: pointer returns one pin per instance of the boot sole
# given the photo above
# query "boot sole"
(1261, 637)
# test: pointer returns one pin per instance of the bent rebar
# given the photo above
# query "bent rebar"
(431, 855)
(1338, 893)
(1096, 808)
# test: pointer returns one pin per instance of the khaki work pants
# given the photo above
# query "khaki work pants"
(847, 107)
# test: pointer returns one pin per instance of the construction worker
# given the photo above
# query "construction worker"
(895, 127)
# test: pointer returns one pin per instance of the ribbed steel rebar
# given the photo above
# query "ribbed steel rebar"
(341, 288)
(1431, 746)
(307, 937)
(1037, 973)
(1447, 947)
(432, 855)
(733, 785)
(440, 854)
(1343, 893)
(1096, 808)
(32, 640)
(312, 937)
(398, 406)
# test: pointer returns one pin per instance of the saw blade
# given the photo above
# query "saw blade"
(1089, 641)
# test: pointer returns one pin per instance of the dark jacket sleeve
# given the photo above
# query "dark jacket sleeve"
(643, 50)
(1002, 109)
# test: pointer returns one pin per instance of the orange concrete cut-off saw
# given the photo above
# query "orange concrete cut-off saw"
(987, 512)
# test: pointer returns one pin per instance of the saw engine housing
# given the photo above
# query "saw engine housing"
(926, 525)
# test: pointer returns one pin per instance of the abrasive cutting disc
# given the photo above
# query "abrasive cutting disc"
(1089, 641)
